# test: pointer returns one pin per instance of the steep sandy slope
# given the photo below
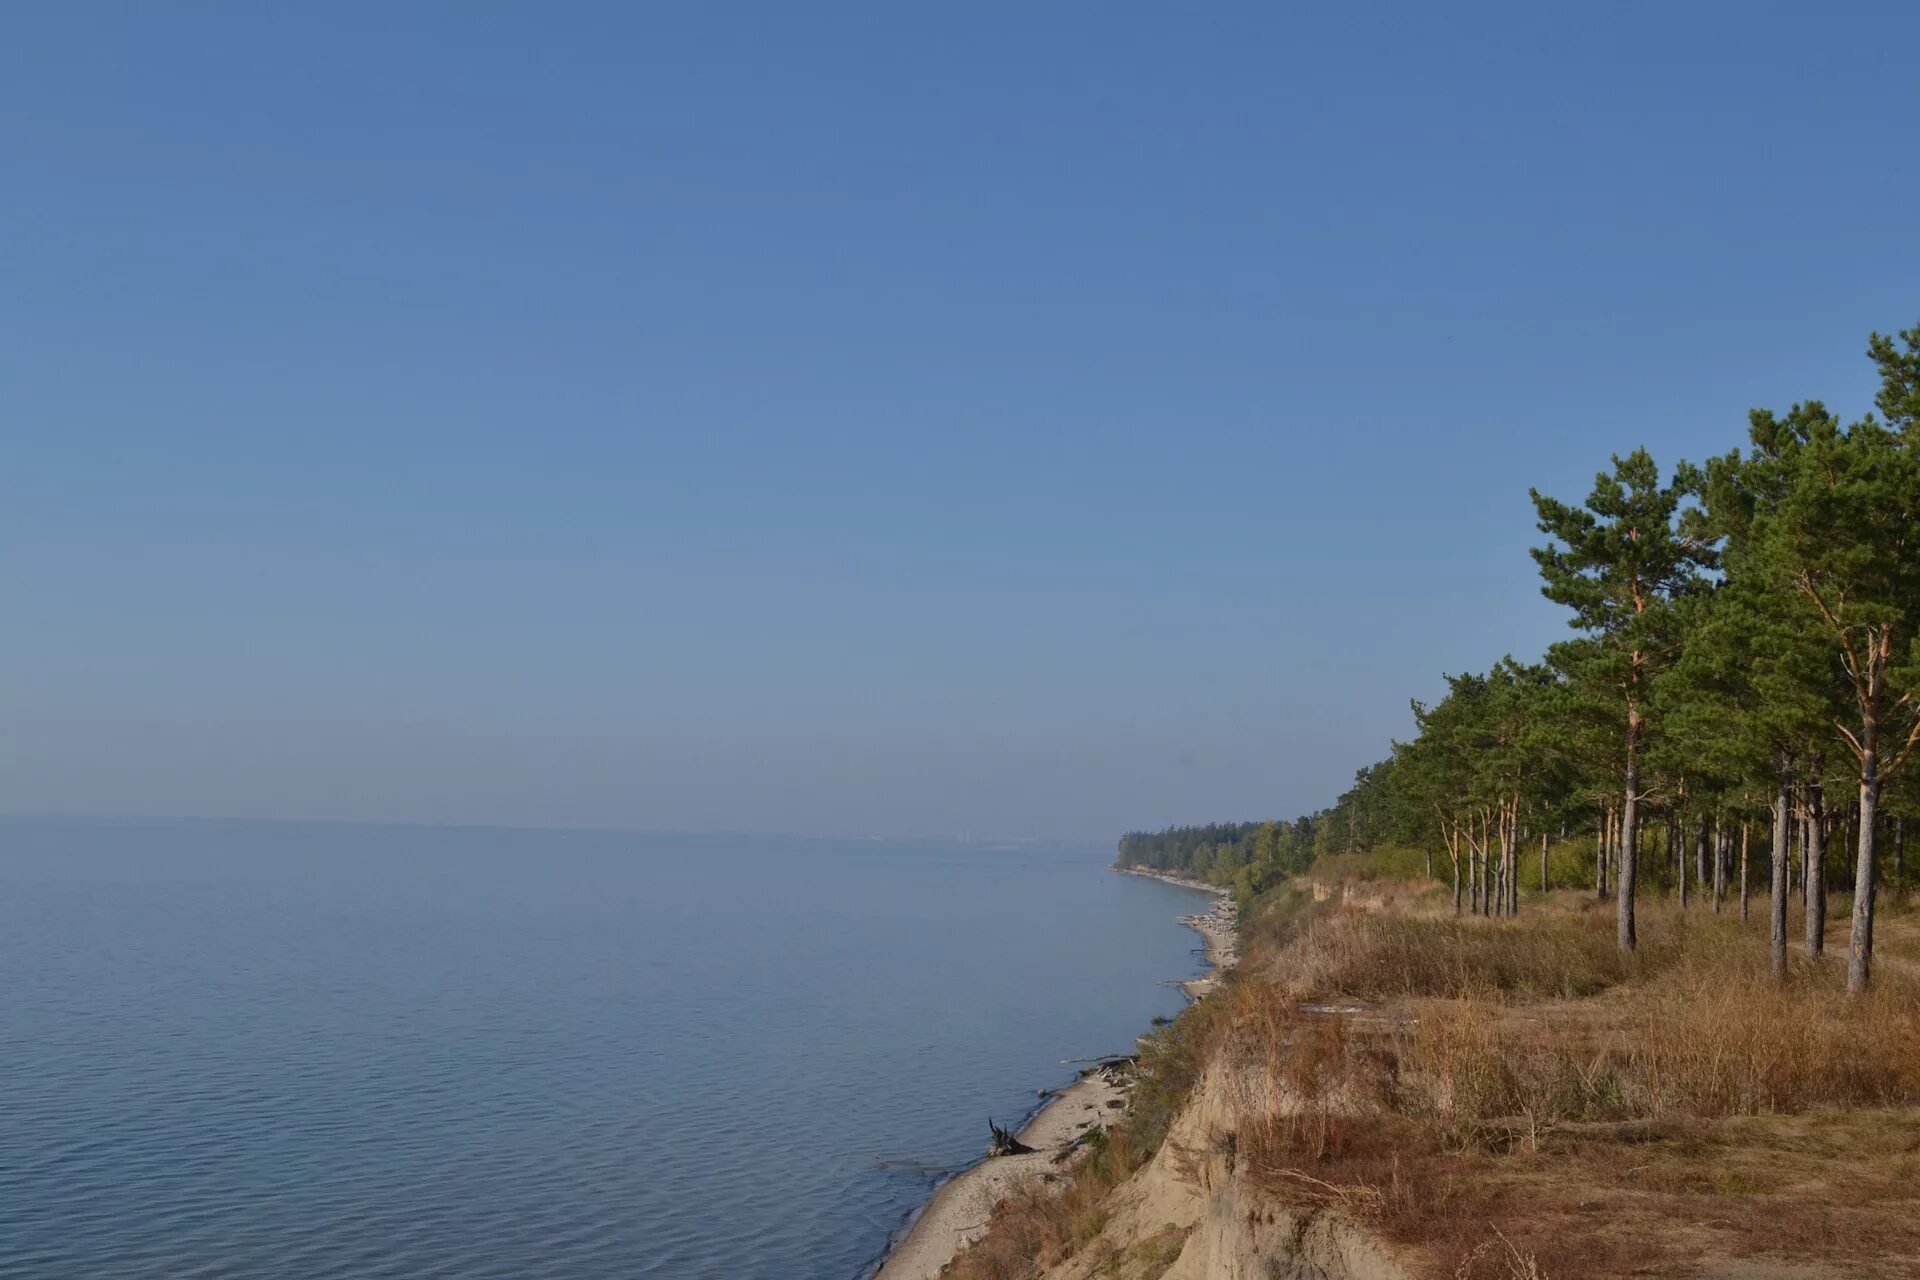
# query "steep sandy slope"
(1191, 1197)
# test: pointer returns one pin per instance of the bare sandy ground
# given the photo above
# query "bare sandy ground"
(957, 1214)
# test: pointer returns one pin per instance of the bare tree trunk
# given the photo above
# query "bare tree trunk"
(1473, 873)
(1679, 856)
(1806, 843)
(1543, 862)
(1720, 838)
(1744, 833)
(1487, 870)
(1782, 814)
(1513, 880)
(1497, 839)
(1450, 834)
(1816, 871)
(1510, 861)
(1624, 933)
(1702, 870)
(1860, 942)
(1602, 852)
(1496, 830)
(1799, 858)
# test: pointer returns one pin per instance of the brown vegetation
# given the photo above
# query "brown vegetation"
(1518, 1098)
(1518, 1090)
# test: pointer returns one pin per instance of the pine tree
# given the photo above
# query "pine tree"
(1619, 563)
(1843, 533)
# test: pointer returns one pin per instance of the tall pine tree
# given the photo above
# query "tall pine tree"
(1618, 562)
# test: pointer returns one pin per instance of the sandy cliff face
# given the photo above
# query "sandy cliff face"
(1192, 1197)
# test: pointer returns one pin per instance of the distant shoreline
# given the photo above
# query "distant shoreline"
(957, 1212)
(1220, 927)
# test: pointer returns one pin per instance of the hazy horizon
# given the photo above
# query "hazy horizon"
(954, 839)
(858, 422)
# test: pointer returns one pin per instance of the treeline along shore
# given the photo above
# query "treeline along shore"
(1742, 696)
(1548, 992)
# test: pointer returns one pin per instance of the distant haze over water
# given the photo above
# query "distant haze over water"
(260, 1049)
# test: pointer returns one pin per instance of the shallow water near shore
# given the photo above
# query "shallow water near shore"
(254, 1049)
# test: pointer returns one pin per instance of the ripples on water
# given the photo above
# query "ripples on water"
(249, 1049)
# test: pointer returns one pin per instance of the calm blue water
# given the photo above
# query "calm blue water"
(239, 1049)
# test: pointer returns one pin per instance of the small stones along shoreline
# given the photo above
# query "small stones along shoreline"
(1219, 927)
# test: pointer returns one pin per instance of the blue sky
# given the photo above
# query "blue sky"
(867, 419)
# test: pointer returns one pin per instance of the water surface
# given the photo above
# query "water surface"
(253, 1049)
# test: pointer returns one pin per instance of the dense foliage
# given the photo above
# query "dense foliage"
(1245, 856)
(1743, 690)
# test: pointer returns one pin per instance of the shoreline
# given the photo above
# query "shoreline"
(1219, 927)
(956, 1214)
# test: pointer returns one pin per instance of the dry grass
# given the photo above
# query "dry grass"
(1049, 1218)
(1516, 1099)
(1723, 1044)
(1516, 1075)
(1380, 957)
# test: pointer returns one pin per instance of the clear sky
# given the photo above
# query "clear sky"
(894, 419)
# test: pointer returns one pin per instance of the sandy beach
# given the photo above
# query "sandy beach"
(957, 1213)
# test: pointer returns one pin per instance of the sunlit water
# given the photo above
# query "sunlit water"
(238, 1049)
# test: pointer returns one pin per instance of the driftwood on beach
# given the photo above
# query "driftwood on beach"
(1005, 1144)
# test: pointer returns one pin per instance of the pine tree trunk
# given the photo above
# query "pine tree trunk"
(1860, 941)
(1510, 863)
(1782, 815)
(1719, 865)
(1816, 870)
(1602, 852)
(1702, 851)
(1488, 872)
(1805, 843)
(1744, 833)
(1679, 856)
(1473, 876)
(1624, 933)
(1513, 880)
(1494, 886)
(1799, 857)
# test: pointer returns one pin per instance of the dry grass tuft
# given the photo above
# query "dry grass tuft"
(1049, 1218)
(1516, 1071)
(1711, 1043)
(1379, 957)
